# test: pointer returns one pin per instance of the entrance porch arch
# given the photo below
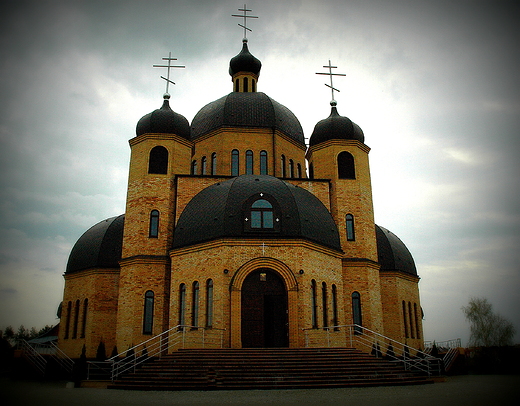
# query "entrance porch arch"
(291, 286)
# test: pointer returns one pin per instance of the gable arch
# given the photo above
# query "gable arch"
(283, 270)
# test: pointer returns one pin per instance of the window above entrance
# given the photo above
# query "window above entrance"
(261, 214)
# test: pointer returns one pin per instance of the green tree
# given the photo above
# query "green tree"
(487, 328)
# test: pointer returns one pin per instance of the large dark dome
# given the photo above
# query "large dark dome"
(254, 109)
(164, 121)
(99, 247)
(336, 127)
(392, 254)
(220, 210)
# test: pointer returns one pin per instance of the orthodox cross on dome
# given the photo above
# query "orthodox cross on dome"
(245, 17)
(330, 67)
(169, 66)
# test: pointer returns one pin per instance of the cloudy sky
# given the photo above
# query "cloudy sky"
(434, 85)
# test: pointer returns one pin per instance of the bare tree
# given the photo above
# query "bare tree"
(487, 328)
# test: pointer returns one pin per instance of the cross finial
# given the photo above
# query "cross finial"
(330, 67)
(245, 10)
(167, 78)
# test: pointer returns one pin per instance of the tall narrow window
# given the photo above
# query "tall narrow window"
(356, 312)
(203, 166)
(311, 171)
(335, 320)
(182, 304)
(67, 319)
(263, 162)
(76, 320)
(235, 161)
(314, 299)
(194, 167)
(84, 319)
(209, 303)
(349, 220)
(282, 163)
(299, 171)
(324, 300)
(412, 330)
(246, 85)
(148, 312)
(262, 215)
(195, 305)
(158, 160)
(405, 320)
(346, 168)
(417, 329)
(154, 224)
(249, 162)
(291, 168)
(214, 163)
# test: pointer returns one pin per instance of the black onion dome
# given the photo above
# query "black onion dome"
(220, 210)
(392, 254)
(244, 62)
(242, 109)
(336, 127)
(164, 121)
(99, 247)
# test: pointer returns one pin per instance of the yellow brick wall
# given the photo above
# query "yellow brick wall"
(100, 287)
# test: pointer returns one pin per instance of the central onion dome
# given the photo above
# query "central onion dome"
(164, 121)
(336, 127)
(244, 62)
(223, 210)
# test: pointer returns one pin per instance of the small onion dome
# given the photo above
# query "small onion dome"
(244, 62)
(164, 121)
(392, 254)
(336, 127)
(99, 247)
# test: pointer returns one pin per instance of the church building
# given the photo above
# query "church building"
(241, 235)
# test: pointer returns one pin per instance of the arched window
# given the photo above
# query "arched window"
(67, 319)
(182, 304)
(325, 306)
(291, 168)
(349, 220)
(346, 168)
(235, 161)
(84, 319)
(311, 171)
(314, 303)
(214, 163)
(194, 167)
(249, 162)
(299, 171)
(405, 320)
(262, 214)
(412, 330)
(356, 312)
(263, 162)
(154, 224)
(335, 320)
(76, 320)
(195, 305)
(417, 329)
(209, 303)
(158, 160)
(148, 312)
(203, 166)
(282, 163)
(246, 85)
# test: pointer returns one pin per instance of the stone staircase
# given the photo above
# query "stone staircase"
(259, 368)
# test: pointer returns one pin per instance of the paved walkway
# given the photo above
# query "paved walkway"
(470, 390)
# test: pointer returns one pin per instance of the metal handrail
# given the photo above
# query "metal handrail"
(373, 340)
(63, 359)
(33, 356)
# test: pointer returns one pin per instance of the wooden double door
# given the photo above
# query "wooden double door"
(264, 310)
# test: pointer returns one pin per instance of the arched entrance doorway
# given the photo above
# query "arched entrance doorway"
(264, 310)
